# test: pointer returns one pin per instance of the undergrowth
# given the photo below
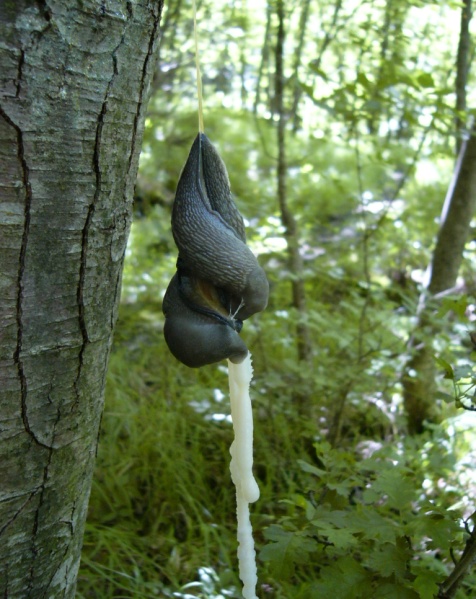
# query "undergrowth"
(378, 516)
(350, 507)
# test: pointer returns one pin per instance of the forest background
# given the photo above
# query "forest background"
(340, 123)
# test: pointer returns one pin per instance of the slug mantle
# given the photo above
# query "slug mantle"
(218, 283)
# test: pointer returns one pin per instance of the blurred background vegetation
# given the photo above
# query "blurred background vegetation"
(339, 122)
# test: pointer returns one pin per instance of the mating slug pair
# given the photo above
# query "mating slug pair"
(218, 282)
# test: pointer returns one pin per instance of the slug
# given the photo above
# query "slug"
(219, 282)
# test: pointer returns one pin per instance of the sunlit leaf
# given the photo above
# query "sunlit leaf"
(446, 366)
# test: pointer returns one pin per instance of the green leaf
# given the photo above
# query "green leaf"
(438, 529)
(336, 526)
(364, 81)
(341, 539)
(286, 549)
(425, 80)
(315, 69)
(390, 559)
(395, 486)
(458, 306)
(342, 488)
(446, 397)
(446, 366)
(338, 518)
(464, 371)
(427, 585)
(311, 469)
(374, 526)
(346, 579)
(391, 590)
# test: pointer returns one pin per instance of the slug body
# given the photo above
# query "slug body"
(219, 282)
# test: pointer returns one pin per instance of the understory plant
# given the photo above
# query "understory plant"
(390, 522)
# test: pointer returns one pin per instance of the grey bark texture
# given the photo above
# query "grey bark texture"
(459, 209)
(460, 205)
(74, 85)
(295, 264)
(419, 374)
(463, 61)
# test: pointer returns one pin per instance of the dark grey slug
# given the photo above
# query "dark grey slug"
(219, 282)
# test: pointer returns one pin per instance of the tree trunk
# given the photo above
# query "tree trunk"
(460, 205)
(462, 71)
(458, 210)
(418, 378)
(74, 81)
(303, 337)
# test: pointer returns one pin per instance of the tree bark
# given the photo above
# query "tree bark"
(462, 69)
(459, 207)
(449, 587)
(458, 210)
(74, 81)
(418, 378)
(303, 338)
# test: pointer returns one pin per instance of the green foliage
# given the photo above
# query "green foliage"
(149, 527)
(162, 507)
(366, 525)
(461, 373)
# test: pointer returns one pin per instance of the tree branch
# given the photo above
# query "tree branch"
(449, 587)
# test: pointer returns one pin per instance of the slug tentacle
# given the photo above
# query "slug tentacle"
(219, 282)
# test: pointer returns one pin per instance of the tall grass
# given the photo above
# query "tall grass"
(162, 508)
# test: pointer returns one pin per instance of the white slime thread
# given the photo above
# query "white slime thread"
(241, 465)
